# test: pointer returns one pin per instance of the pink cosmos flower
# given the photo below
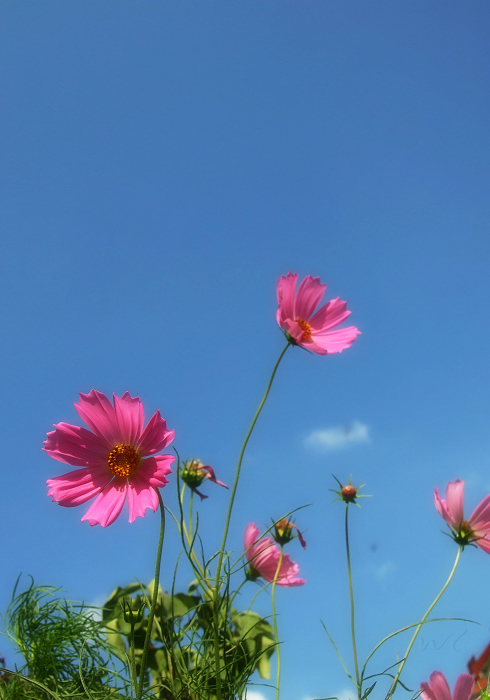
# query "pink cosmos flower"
(296, 317)
(438, 689)
(263, 557)
(477, 528)
(117, 459)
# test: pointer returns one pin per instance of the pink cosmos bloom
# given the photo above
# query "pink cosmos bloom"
(263, 557)
(477, 528)
(117, 459)
(296, 317)
(438, 689)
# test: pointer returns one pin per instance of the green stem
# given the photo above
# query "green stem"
(216, 601)
(419, 626)
(351, 593)
(274, 622)
(132, 660)
(156, 581)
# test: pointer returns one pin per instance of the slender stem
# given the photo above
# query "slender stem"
(351, 593)
(219, 566)
(274, 622)
(419, 626)
(151, 615)
(134, 677)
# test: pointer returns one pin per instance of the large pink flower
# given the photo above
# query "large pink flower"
(438, 689)
(118, 458)
(296, 316)
(477, 528)
(263, 557)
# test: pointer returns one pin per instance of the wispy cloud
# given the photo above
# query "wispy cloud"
(338, 437)
(254, 695)
(384, 570)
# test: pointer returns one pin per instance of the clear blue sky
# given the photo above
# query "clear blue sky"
(162, 165)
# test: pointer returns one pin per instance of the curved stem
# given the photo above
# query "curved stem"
(351, 593)
(156, 581)
(274, 622)
(419, 626)
(219, 566)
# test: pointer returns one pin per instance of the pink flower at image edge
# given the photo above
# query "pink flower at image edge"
(296, 316)
(263, 557)
(116, 458)
(474, 530)
(438, 689)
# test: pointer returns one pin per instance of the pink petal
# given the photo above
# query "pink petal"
(108, 504)
(130, 418)
(426, 693)
(294, 330)
(439, 686)
(330, 315)
(212, 477)
(484, 543)
(442, 509)
(153, 470)
(285, 297)
(463, 690)
(329, 342)
(98, 413)
(78, 486)
(251, 534)
(480, 518)
(309, 295)
(455, 501)
(77, 446)
(140, 497)
(155, 436)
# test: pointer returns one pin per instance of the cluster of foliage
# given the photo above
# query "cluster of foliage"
(181, 657)
(64, 646)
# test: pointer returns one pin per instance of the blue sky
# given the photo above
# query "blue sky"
(162, 165)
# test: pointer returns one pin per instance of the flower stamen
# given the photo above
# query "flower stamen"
(305, 327)
(123, 460)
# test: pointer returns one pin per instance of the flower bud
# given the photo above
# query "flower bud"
(193, 473)
(349, 493)
(132, 615)
(283, 532)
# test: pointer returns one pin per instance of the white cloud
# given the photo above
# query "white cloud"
(254, 695)
(338, 437)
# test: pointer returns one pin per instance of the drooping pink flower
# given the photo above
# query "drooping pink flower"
(438, 689)
(474, 530)
(302, 326)
(263, 557)
(117, 458)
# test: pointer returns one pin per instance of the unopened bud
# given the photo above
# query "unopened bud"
(349, 493)
(132, 616)
(193, 473)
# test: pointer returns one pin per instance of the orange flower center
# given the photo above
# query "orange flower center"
(305, 327)
(123, 460)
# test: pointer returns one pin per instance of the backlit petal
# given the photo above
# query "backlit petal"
(140, 497)
(463, 690)
(108, 505)
(251, 534)
(333, 341)
(285, 297)
(130, 418)
(78, 486)
(330, 315)
(455, 500)
(153, 470)
(309, 295)
(155, 436)
(77, 446)
(439, 686)
(98, 413)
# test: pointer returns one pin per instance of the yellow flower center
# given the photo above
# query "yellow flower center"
(305, 327)
(123, 460)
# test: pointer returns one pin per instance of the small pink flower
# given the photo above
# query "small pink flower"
(438, 689)
(295, 316)
(263, 557)
(477, 528)
(118, 458)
